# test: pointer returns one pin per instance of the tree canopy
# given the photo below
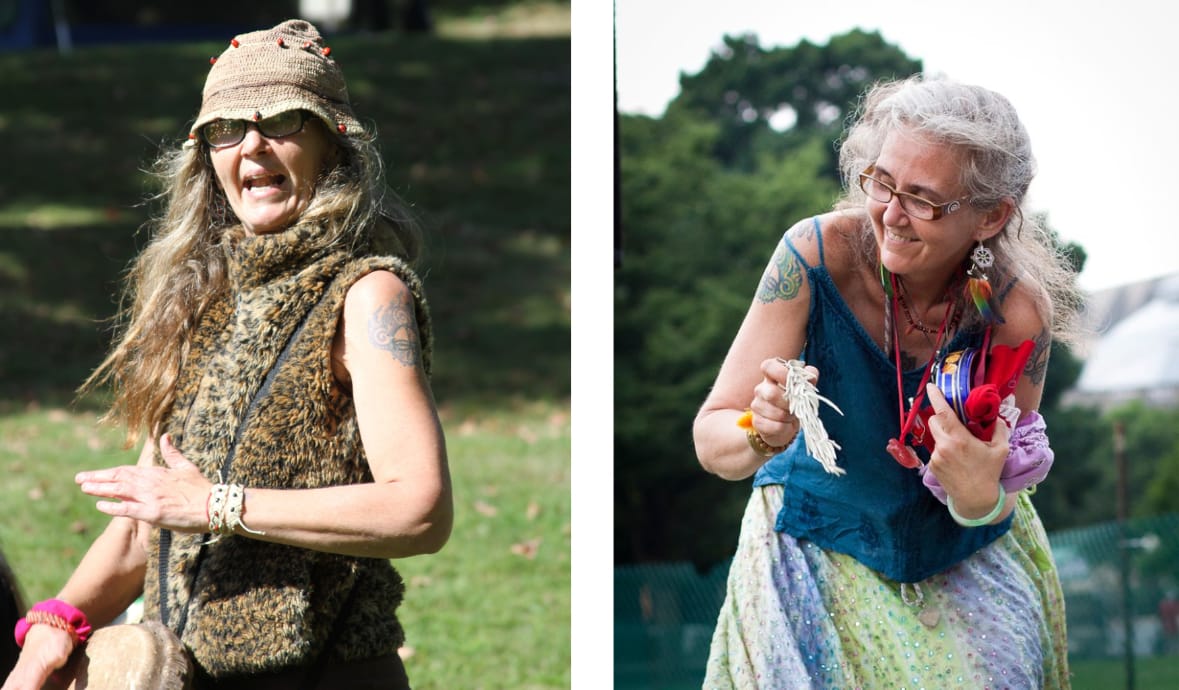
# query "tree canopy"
(777, 98)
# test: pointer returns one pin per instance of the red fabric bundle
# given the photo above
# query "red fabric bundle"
(1001, 372)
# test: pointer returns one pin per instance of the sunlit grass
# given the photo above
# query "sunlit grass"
(46, 524)
(536, 18)
(53, 216)
(491, 610)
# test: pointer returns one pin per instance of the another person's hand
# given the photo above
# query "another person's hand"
(967, 467)
(771, 411)
(46, 650)
(172, 497)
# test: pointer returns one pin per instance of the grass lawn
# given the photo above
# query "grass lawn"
(491, 610)
(474, 126)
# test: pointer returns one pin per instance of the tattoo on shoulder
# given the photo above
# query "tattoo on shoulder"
(803, 231)
(782, 279)
(1006, 289)
(393, 327)
(1037, 367)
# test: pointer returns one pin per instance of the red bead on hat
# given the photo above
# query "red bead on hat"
(315, 85)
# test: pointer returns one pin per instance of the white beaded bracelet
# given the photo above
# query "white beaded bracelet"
(226, 502)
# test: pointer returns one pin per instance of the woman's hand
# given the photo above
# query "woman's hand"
(172, 497)
(46, 650)
(967, 467)
(772, 418)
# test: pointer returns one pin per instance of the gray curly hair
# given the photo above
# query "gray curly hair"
(999, 165)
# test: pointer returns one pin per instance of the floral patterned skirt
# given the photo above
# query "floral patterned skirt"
(797, 616)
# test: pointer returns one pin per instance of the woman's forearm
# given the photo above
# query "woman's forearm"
(110, 575)
(722, 447)
(377, 520)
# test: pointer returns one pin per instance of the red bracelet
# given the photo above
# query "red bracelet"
(55, 613)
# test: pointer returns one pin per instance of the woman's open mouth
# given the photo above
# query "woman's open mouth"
(263, 181)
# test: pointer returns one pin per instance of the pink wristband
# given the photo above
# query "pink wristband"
(79, 627)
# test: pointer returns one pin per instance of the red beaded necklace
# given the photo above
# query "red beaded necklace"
(915, 322)
(897, 448)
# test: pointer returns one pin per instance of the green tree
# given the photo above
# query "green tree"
(1151, 437)
(774, 98)
(1079, 489)
(1082, 488)
(1162, 494)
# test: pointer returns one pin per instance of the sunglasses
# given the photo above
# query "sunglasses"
(220, 134)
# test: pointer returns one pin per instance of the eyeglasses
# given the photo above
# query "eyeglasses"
(912, 204)
(223, 133)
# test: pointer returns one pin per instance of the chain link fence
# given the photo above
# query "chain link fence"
(664, 613)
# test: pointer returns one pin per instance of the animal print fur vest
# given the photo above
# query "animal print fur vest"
(244, 606)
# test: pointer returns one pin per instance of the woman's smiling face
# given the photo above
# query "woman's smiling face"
(270, 182)
(907, 244)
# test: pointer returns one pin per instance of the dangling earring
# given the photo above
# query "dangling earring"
(978, 286)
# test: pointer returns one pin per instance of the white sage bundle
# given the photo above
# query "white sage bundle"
(804, 399)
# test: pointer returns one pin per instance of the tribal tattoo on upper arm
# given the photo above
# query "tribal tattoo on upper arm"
(782, 279)
(1037, 366)
(393, 327)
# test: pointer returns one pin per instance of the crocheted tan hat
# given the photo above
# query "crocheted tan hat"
(266, 72)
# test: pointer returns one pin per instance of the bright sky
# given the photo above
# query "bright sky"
(1094, 83)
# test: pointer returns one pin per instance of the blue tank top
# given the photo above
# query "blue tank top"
(879, 512)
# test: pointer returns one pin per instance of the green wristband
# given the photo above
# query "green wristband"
(984, 520)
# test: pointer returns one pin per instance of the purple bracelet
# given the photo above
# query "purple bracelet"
(1028, 461)
(60, 615)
